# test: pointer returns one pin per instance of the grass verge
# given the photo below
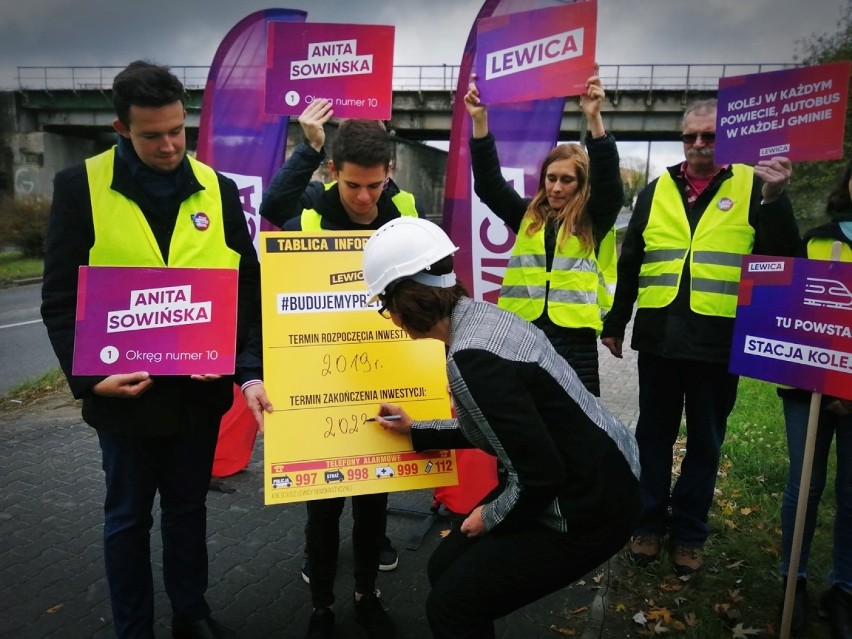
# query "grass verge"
(15, 267)
(738, 592)
(27, 393)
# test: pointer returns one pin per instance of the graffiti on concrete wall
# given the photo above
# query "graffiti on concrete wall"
(24, 182)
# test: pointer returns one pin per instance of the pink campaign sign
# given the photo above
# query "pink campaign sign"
(167, 321)
(351, 65)
(533, 55)
(796, 113)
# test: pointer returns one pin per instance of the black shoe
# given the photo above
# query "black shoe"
(836, 606)
(371, 614)
(388, 557)
(321, 625)
(306, 571)
(207, 628)
(799, 620)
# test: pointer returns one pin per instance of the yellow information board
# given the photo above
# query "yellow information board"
(329, 361)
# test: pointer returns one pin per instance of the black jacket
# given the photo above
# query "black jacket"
(174, 403)
(675, 331)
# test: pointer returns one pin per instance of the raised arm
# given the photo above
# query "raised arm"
(291, 190)
(478, 111)
(591, 102)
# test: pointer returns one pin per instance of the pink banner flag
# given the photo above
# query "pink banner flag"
(236, 136)
(525, 133)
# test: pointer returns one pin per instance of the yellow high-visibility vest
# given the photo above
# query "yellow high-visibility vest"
(608, 271)
(123, 236)
(404, 202)
(575, 278)
(722, 237)
(819, 248)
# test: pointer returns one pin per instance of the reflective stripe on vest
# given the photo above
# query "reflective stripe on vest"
(819, 248)
(404, 202)
(722, 237)
(574, 280)
(608, 271)
(123, 236)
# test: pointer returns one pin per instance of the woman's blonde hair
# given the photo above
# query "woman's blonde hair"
(572, 217)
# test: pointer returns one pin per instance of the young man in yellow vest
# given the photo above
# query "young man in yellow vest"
(136, 204)
(362, 197)
(680, 262)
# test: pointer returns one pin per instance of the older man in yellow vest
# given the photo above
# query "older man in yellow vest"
(680, 264)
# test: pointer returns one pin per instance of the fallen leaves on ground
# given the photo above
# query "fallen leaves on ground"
(744, 633)
(565, 632)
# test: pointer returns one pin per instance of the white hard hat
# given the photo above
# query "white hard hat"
(403, 248)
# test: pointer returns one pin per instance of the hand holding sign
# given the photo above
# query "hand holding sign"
(591, 102)
(775, 174)
(126, 385)
(315, 115)
(478, 112)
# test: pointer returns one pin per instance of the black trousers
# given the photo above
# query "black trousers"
(707, 392)
(475, 581)
(370, 518)
(136, 469)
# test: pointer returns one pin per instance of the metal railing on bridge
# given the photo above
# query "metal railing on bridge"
(439, 77)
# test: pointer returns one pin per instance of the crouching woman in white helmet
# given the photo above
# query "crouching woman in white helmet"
(568, 495)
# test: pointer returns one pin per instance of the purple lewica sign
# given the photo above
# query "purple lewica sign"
(532, 55)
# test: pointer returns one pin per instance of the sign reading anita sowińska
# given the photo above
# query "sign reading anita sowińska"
(167, 321)
(329, 360)
(351, 65)
(532, 55)
(794, 324)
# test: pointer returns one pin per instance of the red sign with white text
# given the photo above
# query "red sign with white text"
(166, 321)
(349, 64)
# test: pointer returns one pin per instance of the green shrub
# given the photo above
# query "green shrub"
(23, 224)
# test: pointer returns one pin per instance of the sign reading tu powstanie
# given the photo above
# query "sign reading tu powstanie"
(349, 64)
(794, 324)
(531, 55)
(167, 321)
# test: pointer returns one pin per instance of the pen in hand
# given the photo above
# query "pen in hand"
(390, 418)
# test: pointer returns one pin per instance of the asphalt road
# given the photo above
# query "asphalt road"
(25, 351)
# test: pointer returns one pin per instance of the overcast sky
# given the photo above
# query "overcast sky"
(187, 32)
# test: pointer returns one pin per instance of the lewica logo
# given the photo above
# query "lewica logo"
(774, 150)
(537, 53)
(763, 267)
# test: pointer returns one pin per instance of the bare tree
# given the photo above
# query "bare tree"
(634, 172)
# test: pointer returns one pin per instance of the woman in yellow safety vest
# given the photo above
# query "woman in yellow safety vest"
(561, 275)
